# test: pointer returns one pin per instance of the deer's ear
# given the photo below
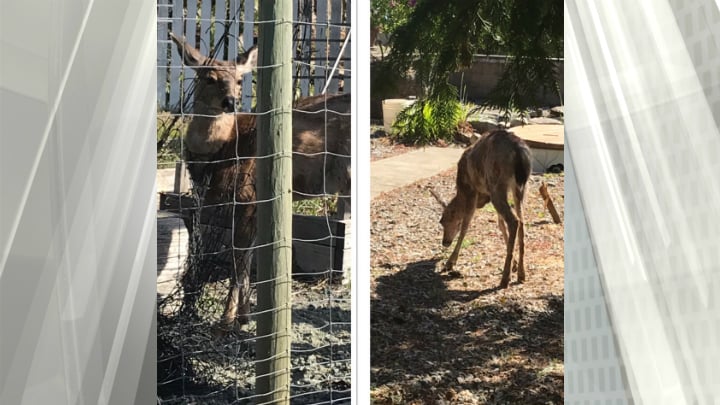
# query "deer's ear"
(191, 56)
(438, 198)
(247, 62)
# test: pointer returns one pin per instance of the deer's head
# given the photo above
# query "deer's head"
(451, 219)
(219, 82)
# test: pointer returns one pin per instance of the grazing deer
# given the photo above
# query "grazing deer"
(221, 149)
(496, 164)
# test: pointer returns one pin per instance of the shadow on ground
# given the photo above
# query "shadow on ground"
(430, 343)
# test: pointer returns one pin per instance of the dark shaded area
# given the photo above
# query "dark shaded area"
(426, 351)
(193, 365)
(174, 375)
(439, 38)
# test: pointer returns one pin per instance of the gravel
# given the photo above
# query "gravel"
(456, 338)
(196, 367)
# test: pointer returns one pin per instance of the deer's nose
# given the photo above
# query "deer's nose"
(228, 104)
(446, 243)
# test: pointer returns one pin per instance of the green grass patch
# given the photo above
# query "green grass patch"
(316, 206)
(467, 243)
(170, 130)
(489, 208)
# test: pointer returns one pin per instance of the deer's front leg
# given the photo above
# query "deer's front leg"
(237, 303)
(463, 230)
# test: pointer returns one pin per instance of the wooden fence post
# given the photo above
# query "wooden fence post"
(274, 187)
(549, 203)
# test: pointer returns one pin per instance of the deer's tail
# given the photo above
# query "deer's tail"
(523, 166)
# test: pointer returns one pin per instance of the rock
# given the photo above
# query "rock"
(536, 113)
(514, 122)
(467, 139)
(557, 112)
(465, 134)
(517, 121)
(482, 126)
(545, 121)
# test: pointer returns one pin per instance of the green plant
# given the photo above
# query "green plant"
(430, 119)
(317, 206)
(170, 129)
(387, 15)
(441, 37)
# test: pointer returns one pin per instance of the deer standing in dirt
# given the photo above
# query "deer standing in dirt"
(496, 164)
(221, 150)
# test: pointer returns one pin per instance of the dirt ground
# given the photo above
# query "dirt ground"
(381, 146)
(440, 338)
(194, 366)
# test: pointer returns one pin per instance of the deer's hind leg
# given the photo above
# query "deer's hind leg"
(503, 230)
(499, 200)
(519, 195)
(502, 226)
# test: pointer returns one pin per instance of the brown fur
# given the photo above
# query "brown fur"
(496, 164)
(220, 153)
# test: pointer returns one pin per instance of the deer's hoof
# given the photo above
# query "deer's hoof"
(448, 267)
(454, 274)
(220, 330)
(224, 328)
(505, 283)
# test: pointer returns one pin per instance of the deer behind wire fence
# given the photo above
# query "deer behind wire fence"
(222, 28)
(206, 329)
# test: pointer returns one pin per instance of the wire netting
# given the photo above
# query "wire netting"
(206, 326)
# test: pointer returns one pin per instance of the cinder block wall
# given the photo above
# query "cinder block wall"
(480, 78)
(477, 81)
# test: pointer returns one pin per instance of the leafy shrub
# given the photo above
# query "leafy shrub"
(440, 37)
(387, 15)
(430, 119)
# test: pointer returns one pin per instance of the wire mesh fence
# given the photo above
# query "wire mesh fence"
(207, 315)
(223, 28)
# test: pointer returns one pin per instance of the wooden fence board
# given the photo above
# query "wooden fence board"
(319, 243)
(205, 20)
(176, 60)
(317, 54)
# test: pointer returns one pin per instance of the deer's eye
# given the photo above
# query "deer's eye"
(239, 82)
(210, 79)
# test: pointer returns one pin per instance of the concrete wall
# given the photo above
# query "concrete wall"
(477, 81)
(381, 90)
(480, 78)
